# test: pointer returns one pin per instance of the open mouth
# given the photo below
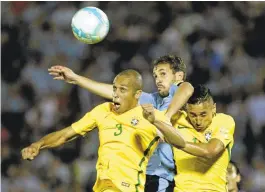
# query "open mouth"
(116, 105)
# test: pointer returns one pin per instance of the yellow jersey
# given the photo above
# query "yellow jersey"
(126, 143)
(197, 174)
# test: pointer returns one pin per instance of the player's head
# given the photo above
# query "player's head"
(233, 177)
(167, 70)
(127, 89)
(201, 108)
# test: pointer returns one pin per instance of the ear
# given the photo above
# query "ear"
(179, 76)
(214, 108)
(138, 94)
(238, 178)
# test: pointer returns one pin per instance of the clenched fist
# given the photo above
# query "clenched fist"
(149, 112)
(30, 152)
(63, 73)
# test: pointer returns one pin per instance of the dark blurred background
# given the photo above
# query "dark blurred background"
(223, 44)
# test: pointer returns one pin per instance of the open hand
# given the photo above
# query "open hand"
(63, 73)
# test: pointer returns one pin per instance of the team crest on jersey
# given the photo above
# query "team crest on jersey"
(208, 135)
(134, 121)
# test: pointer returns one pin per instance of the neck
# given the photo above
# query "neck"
(133, 105)
(234, 190)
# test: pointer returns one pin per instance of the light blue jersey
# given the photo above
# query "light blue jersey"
(161, 162)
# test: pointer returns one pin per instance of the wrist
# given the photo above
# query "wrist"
(38, 144)
(76, 79)
(168, 115)
(155, 121)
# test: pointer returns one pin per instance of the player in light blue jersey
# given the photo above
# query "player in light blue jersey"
(169, 72)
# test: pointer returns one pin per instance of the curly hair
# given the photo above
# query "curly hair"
(175, 62)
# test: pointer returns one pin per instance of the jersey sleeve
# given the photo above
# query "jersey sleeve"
(89, 121)
(147, 98)
(225, 131)
(173, 89)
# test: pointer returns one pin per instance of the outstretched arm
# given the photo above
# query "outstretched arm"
(181, 96)
(171, 135)
(63, 73)
(51, 140)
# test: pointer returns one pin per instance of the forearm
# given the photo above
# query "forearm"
(172, 136)
(198, 149)
(180, 98)
(54, 139)
(208, 150)
(102, 89)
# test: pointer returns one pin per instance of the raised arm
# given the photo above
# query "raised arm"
(51, 140)
(63, 73)
(181, 96)
(171, 135)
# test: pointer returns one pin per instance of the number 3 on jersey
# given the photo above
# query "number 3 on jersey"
(119, 127)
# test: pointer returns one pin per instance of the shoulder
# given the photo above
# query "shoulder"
(222, 118)
(173, 89)
(104, 107)
(224, 124)
(146, 98)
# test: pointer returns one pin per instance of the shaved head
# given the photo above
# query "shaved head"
(127, 89)
(134, 77)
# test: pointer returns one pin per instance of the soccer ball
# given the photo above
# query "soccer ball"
(90, 25)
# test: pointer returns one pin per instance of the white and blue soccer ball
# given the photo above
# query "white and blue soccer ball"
(90, 25)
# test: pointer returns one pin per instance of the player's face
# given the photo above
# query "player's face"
(232, 178)
(164, 77)
(201, 115)
(124, 95)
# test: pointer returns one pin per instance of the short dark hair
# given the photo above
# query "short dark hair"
(175, 62)
(201, 94)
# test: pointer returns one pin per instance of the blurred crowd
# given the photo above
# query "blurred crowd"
(222, 44)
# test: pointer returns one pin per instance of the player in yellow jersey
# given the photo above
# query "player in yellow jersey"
(126, 138)
(202, 163)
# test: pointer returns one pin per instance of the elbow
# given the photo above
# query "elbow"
(210, 154)
(182, 144)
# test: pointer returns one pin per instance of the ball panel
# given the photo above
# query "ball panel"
(90, 25)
